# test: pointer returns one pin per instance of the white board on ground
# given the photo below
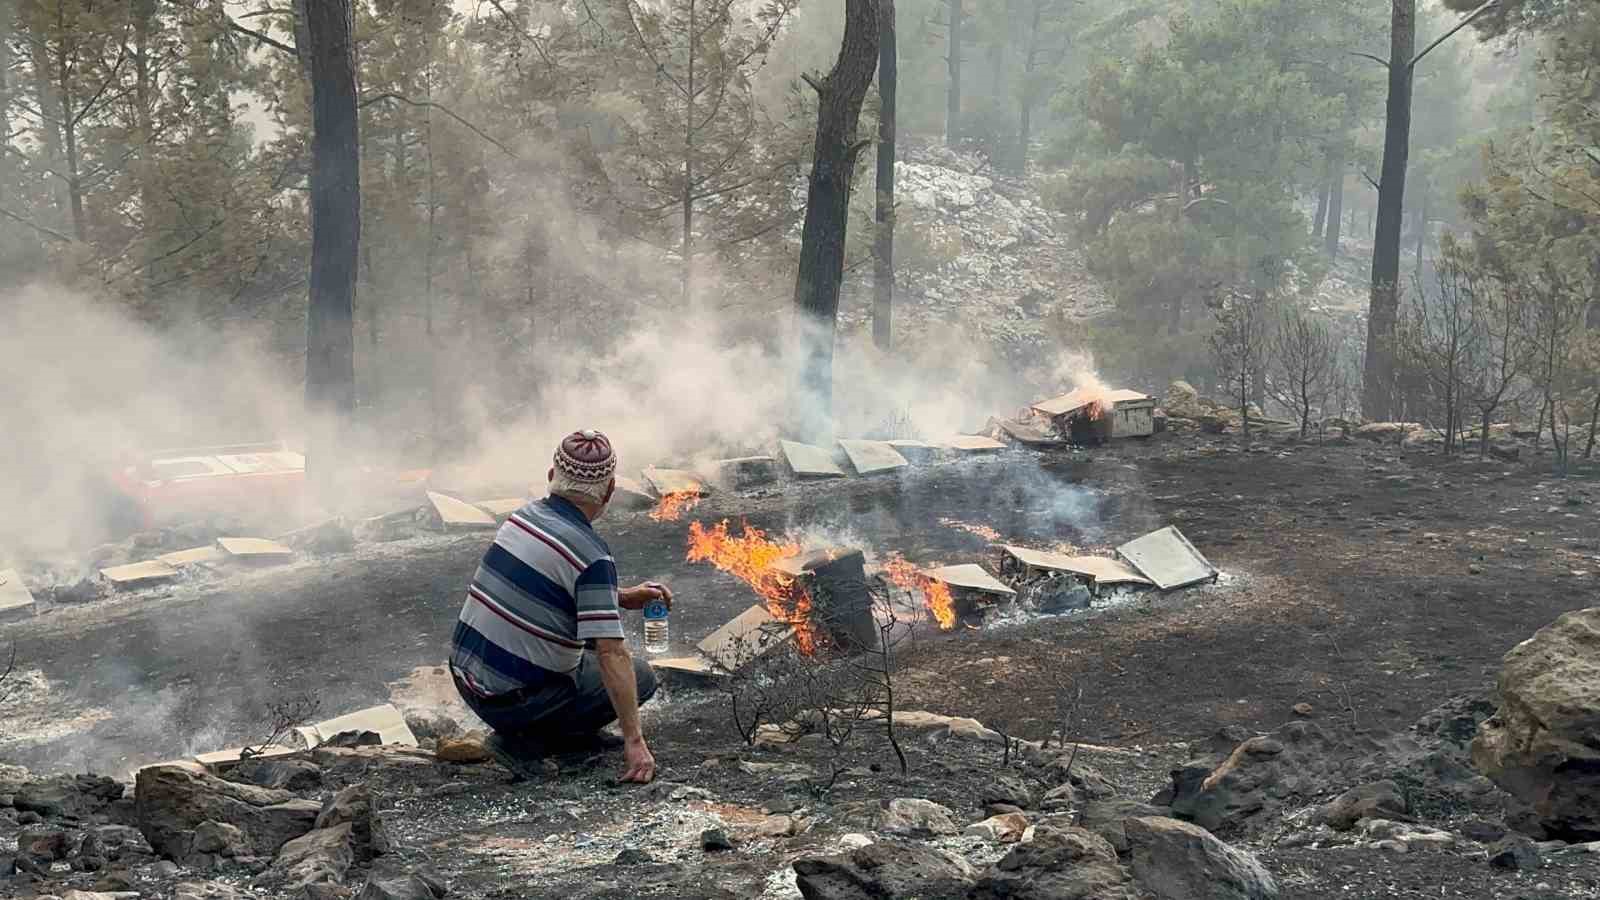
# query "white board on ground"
(674, 481)
(1103, 569)
(502, 507)
(1167, 558)
(386, 720)
(139, 574)
(254, 549)
(193, 556)
(970, 576)
(809, 461)
(455, 513)
(872, 456)
(973, 443)
(16, 601)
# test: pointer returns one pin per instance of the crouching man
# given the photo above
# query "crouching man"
(538, 651)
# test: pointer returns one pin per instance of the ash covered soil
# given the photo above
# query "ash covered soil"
(1370, 583)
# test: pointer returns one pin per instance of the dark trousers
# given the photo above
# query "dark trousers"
(570, 705)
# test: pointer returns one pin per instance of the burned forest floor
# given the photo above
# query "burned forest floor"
(1363, 586)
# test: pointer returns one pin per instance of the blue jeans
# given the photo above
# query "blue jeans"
(571, 705)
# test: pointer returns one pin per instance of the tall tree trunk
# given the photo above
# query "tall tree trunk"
(883, 234)
(435, 345)
(688, 164)
(822, 240)
(1378, 388)
(1029, 60)
(69, 129)
(1422, 228)
(1330, 243)
(335, 235)
(1594, 425)
(1321, 218)
(144, 13)
(952, 98)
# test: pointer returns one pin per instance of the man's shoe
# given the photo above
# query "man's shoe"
(515, 757)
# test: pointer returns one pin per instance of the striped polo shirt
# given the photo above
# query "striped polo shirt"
(546, 585)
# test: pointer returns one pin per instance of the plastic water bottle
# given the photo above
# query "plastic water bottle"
(655, 627)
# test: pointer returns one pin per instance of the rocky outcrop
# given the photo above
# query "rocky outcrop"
(1059, 862)
(884, 869)
(1264, 773)
(354, 806)
(1106, 818)
(1543, 745)
(176, 799)
(1178, 861)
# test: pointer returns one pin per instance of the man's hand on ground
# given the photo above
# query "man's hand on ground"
(638, 765)
(635, 598)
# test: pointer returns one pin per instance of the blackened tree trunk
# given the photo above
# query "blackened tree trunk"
(335, 233)
(1378, 389)
(822, 240)
(883, 235)
(1335, 205)
(952, 98)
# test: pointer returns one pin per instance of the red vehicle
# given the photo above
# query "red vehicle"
(263, 480)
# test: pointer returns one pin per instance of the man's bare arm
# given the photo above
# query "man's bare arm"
(616, 673)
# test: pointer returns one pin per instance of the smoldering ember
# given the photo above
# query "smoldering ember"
(708, 449)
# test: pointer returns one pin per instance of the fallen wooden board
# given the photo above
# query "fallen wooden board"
(970, 576)
(1028, 435)
(16, 601)
(455, 513)
(502, 507)
(631, 494)
(193, 556)
(809, 461)
(1102, 569)
(914, 451)
(871, 457)
(227, 759)
(674, 481)
(139, 574)
(386, 720)
(1167, 558)
(254, 549)
(744, 639)
(973, 443)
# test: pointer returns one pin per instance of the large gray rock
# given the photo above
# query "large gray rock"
(402, 886)
(320, 856)
(354, 806)
(1543, 745)
(903, 817)
(67, 796)
(884, 869)
(1179, 861)
(1106, 818)
(1059, 862)
(173, 800)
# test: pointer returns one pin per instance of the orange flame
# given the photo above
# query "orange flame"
(673, 506)
(750, 557)
(935, 594)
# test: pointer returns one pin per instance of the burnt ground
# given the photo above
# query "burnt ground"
(1370, 583)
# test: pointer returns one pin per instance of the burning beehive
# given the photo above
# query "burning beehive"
(1094, 416)
(679, 490)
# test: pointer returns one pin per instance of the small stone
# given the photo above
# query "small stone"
(29, 817)
(999, 809)
(854, 841)
(1514, 853)
(1006, 829)
(778, 806)
(115, 881)
(465, 749)
(1391, 846)
(88, 863)
(715, 840)
(778, 826)
(1475, 569)
(633, 856)
(1302, 709)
